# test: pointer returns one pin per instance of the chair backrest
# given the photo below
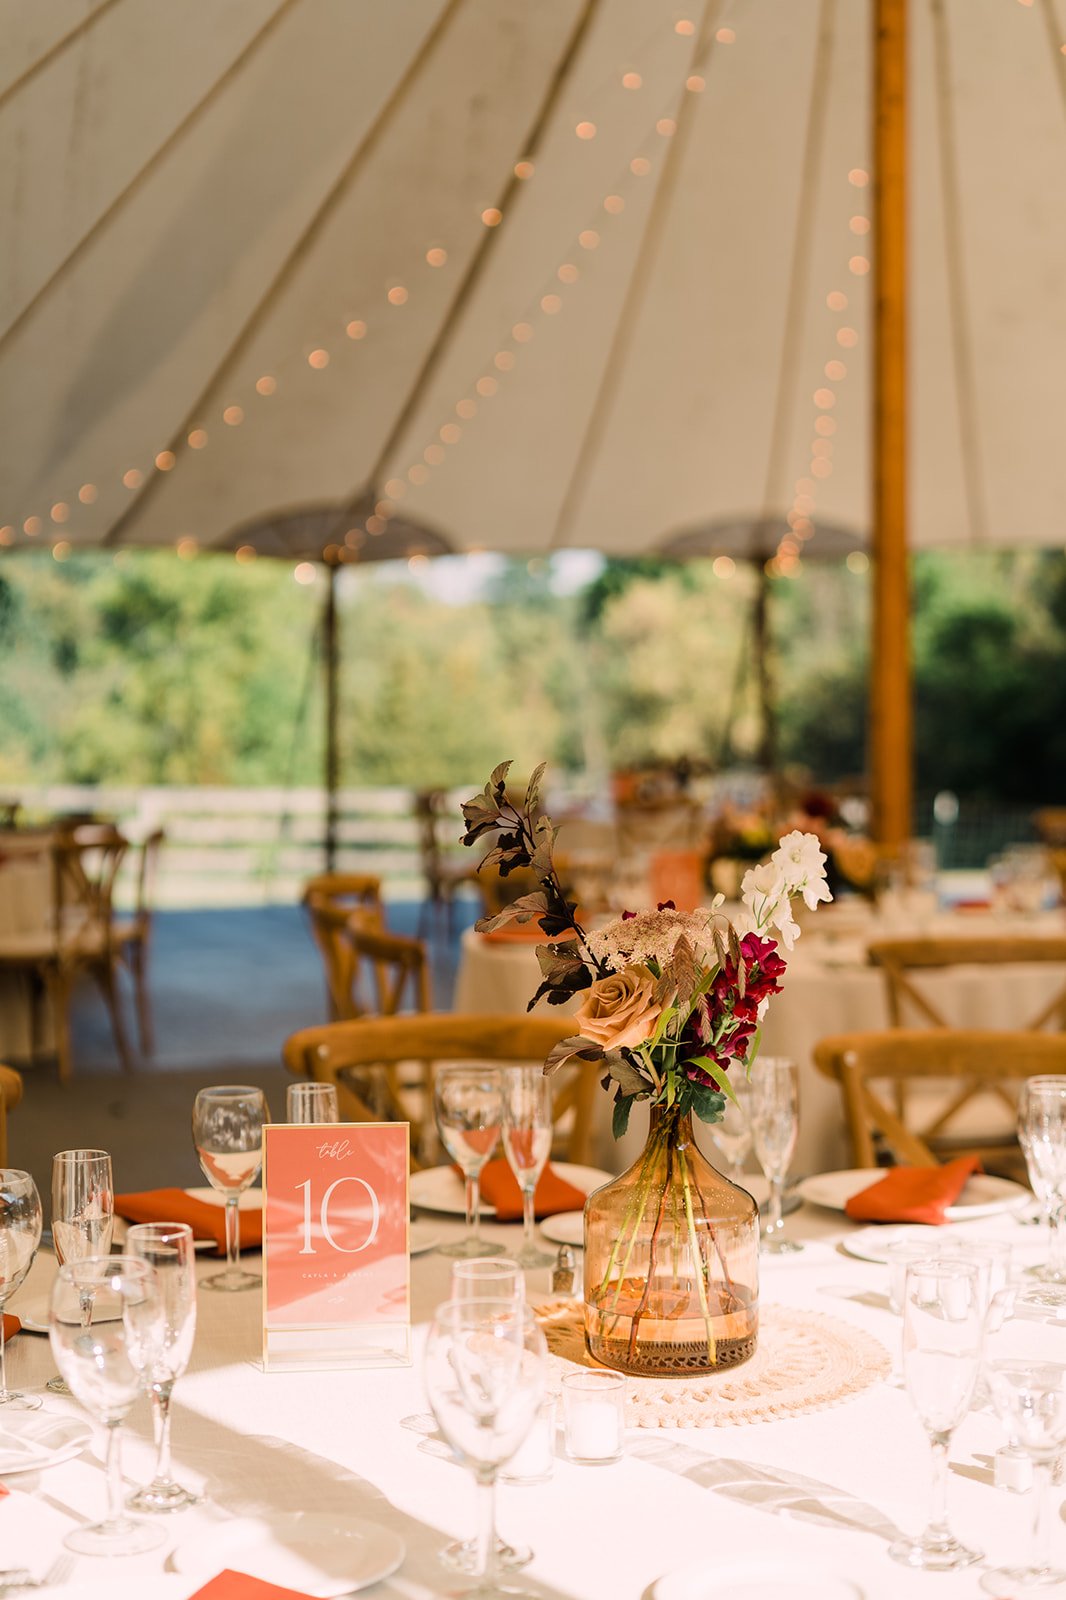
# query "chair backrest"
(973, 1059)
(331, 899)
(10, 1095)
(900, 958)
(334, 1053)
(400, 967)
(86, 859)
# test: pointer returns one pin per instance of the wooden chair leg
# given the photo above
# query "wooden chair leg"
(104, 973)
(58, 986)
(138, 959)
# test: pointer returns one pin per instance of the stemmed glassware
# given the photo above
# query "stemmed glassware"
(732, 1136)
(527, 1142)
(168, 1249)
(106, 1359)
(466, 1101)
(83, 1214)
(20, 1234)
(484, 1374)
(774, 1125)
(1028, 1391)
(942, 1326)
(1042, 1136)
(227, 1129)
(312, 1102)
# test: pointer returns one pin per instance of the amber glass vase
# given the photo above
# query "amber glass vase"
(671, 1261)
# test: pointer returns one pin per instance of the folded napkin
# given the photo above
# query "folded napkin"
(12, 1325)
(913, 1194)
(499, 1187)
(230, 1585)
(207, 1221)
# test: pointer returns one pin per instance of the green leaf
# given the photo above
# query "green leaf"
(713, 1070)
(620, 1115)
(708, 1104)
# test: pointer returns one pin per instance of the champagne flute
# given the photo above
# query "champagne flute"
(527, 1141)
(484, 1373)
(168, 1249)
(1042, 1136)
(941, 1362)
(83, 1215)
(1023, 1337)
(227, 1129)
(20, 1234)
(774, 1125)
(107, 1360)
(732, 1135)
(467, 1105)
(312, 1102)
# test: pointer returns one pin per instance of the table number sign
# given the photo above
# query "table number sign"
(336, 1258)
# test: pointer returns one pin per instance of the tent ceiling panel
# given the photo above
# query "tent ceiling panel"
(193, 210)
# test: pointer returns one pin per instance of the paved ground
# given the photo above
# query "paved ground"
(228, 987)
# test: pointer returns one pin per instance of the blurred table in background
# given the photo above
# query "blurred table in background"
(25, 901)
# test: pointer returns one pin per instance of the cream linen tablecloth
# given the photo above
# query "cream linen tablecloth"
(828, 989)
(335, 1442)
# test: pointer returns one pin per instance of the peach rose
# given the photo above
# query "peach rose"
(619, 1011)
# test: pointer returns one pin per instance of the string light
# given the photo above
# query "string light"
(492, 217)
(165, 461)
(397, 295)
(726, 36)
(524, 170)
(32, 527)
(436, 257)
(356, 329)
(233, 416)
(304, 572)
(87, 494)
(631, 80)
(133, 478)
(60, 511)
(586, 130)
(187, 547)
(267, 385)
(60, 550)
(197, 439)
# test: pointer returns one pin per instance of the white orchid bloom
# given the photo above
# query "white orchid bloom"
(786, 926)
(762, 889)
(801, 862)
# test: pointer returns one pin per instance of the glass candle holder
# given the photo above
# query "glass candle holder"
(594, 1416)
(534, 1460)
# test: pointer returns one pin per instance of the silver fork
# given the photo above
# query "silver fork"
(15, 1579)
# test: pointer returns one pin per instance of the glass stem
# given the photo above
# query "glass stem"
(233, 1234)
(486, 1527)
(161, 1393)
(1056, 1244)
(938, 1507)
(473, 1205)
(113, 1467)
(1041, 1535)
(773, 1213)
(3, 1361)
(527, 1219)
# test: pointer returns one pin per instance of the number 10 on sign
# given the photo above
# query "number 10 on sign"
(336, 1260)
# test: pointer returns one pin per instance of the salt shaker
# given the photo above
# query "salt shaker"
(563, 1271)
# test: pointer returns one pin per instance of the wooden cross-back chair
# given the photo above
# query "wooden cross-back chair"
(860, 1063)
(902, 961)
(10, 1095)
(332, 900)
(357, 1056)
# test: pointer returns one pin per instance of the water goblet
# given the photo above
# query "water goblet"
(312, 1102)
(168, 1249)
(732, 1135)
(107, 1361)
(527, 1140)
(487, 1278)
(1023, 1337)
(774, 1125)
(1042, 1136)
(468, 1110)
(20, 1234)
(83, 1213)
(484, 1374)
(941, 1361)
(227, 1129)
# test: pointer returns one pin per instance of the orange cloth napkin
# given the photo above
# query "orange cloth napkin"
(230, 1585)
(499, 1187)
(913, 1194)
(12, 1325)
(207, 1221)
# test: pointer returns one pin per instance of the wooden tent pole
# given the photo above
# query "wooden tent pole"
(330, 665)
(891, 734)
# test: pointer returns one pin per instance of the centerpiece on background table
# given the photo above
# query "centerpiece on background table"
(669, 1004)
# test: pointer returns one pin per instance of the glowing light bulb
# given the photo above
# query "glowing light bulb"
(492, 217)
(837, 300)
(631, 80)
(87, 493)
(397, 295)
(550, 304)
(165, 461)
(859, 266)
(436, 257)
(186, 547)
(588, 238)
(522, 332)
(640, 167)
(233, 416)
(60, 511)
(318, 359)
(133, 477)
(266, 384)
(356, 329)
(523, 170)
(586, 130)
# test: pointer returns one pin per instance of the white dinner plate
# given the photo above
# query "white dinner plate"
(312, 1551)
(754, 1580)
(423, 1236)
(566, 1227)
(871, 1244)
(441, 1188)
(31, 1440)
(983, 1196)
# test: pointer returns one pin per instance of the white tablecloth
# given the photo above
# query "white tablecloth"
(822, 1491)
(828, 989)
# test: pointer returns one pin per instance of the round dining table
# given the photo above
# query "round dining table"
(687, 1512)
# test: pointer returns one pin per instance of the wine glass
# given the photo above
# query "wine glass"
(312, 1102)
(1042, 1136)
(20, 1234)
(484, 1374)
(83, 1214)
(732, 1135)
(1023, 1336)
(774, 1125)
(941, 1363)
(107, 1360)
(168, 1249)
(468, 1110)
(227, 1129)
(527, 1140)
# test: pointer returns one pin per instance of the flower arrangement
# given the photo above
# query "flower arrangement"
(670, 1002)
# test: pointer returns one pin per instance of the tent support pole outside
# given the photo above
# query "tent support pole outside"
(891, 737)
(329, 669)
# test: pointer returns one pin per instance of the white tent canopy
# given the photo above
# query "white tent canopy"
(632, 220)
